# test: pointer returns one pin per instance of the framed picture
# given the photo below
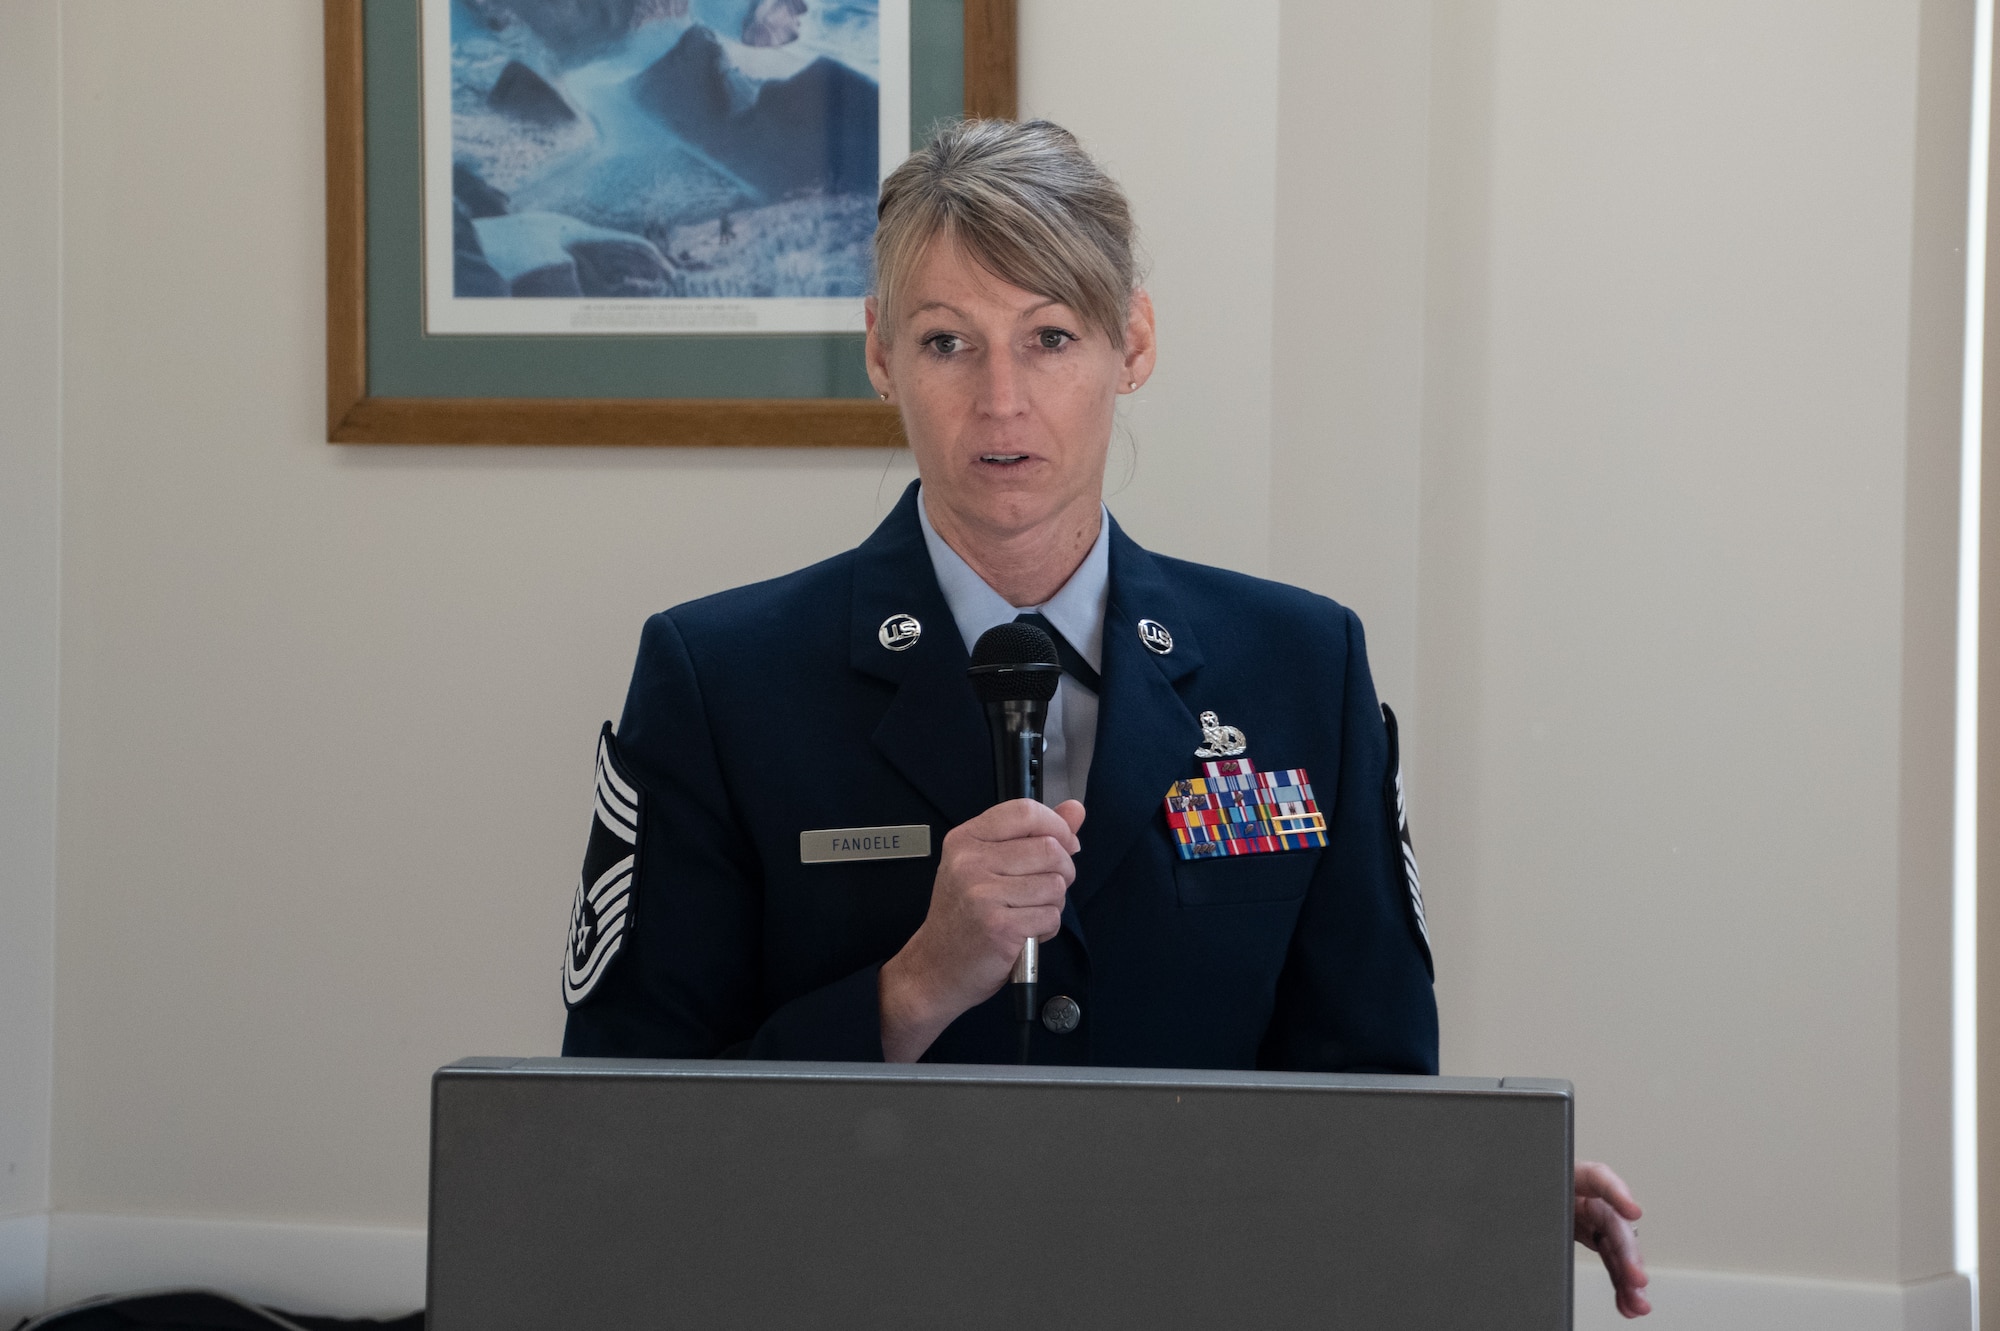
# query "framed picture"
(624, 221)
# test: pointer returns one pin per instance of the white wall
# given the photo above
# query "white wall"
(1190, 470)
(333, 708)
(330, 710)
(1666, 601)
(1601, 355)
(1617, 386)
(1697, 309)
(1347, 360)
(30, 501)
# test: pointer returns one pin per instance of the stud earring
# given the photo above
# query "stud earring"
(883, 396)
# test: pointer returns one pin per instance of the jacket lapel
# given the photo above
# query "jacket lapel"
(933, 732)
(1146, 735)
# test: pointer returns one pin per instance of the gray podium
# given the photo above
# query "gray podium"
(601, 1195)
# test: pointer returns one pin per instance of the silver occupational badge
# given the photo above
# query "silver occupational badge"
(1154, 634)
(899, 633)
(1218, 740)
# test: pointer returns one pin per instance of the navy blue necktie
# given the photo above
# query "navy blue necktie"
(1072, 660)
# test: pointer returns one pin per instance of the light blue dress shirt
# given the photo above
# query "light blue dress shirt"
(1077, 611)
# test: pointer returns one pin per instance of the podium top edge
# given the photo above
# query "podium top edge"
(998, 1075)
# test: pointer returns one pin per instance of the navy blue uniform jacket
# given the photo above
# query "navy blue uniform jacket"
(774, 709)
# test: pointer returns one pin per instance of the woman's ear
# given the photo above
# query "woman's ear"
(1141, 345)
(875, 350)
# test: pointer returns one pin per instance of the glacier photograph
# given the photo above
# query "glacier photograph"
(656, 165)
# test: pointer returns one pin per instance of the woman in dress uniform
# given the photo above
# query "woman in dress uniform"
(793, 855)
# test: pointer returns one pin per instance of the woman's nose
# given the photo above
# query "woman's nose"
(1004, 392)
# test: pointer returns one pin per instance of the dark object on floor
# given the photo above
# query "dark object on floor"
(196, 1310)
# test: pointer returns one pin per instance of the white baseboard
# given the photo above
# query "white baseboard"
(1943, 1303)
(332, 1270)
(1728, 1301)
(352, 1271)
(24, 1266)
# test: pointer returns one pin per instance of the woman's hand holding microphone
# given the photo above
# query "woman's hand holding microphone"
(1001, 879)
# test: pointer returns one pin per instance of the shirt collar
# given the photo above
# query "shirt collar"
(1077, 609)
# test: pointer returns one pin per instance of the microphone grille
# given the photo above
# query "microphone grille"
(1015, 663)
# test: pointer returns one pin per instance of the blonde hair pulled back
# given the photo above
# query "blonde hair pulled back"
(1026, 203)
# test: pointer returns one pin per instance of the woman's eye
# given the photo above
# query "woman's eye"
(1053, 339)
(943, 344)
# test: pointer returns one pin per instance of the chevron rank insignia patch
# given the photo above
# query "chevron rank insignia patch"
(1234, 809)
(602, 913)
(1393, 797)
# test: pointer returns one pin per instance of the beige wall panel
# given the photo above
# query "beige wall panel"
(334, 707)
(1681, 413)
(1179, 101)
(1935, 405)
(1988, 739)
(30, 588)
(1347, 353)
(1451, 557)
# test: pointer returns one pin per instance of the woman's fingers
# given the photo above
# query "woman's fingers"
(1021, 874)
(1002, 878)
(1610, 1235)
(1034, 922)
(1019, 819)
(1008, 897)
(1028, 858)
(1596, 1180)
(1071, 812)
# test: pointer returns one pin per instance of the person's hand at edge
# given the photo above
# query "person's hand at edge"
(1605, 1216)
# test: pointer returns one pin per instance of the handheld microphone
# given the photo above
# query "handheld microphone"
(1014, 672)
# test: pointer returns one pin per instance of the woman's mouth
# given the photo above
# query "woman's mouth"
(1003, 459)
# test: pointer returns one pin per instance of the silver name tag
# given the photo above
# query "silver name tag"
(864, 843)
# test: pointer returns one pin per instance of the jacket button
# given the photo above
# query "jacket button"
(1061, 1014)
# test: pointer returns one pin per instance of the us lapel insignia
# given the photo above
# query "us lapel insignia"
(1234, 809)
(899, 633)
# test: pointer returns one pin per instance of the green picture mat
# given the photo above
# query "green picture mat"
(404, 361)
